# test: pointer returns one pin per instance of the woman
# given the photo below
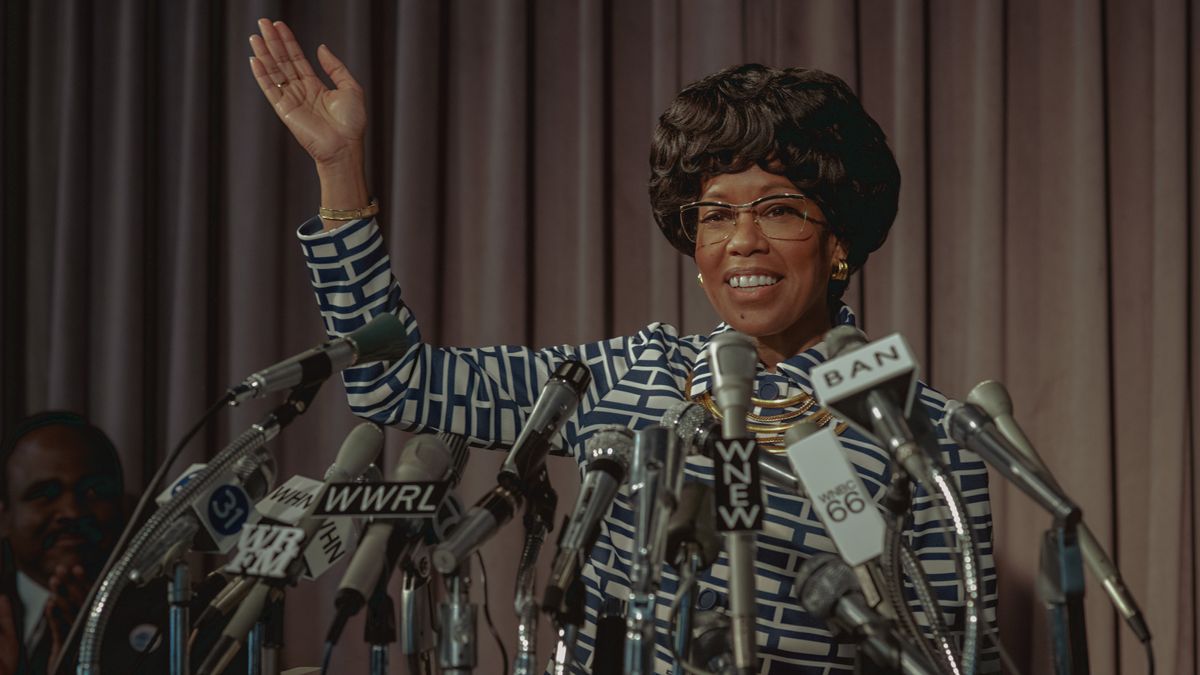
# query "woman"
(780, 186)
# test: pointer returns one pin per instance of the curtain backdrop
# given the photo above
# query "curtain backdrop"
(1048, 231)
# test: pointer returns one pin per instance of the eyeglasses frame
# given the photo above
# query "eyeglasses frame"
(742, 207)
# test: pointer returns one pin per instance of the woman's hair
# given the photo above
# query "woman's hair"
(801, 123)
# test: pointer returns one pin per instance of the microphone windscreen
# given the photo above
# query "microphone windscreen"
(574, 374)
(361, 447)
(382, 339)
(424, 458)
(694, 520)
(822, 580)
(993, 397)
(800, 431)
(842, 339)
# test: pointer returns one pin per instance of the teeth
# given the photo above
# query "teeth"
(752, 280)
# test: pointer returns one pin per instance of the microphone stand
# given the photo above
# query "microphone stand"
(655, 482)
(457, 648)
(179, 596)
(272, 636)
(416, 635)
(687, 603)
(569, 622)
(539, 519)
(168, 518)
(1060, 586)
(254, 646)
(380, 628)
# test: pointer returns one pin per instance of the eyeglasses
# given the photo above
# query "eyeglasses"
(782, 216)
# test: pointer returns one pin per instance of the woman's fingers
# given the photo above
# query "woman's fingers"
(269, 89)
(338, 72)
(294, 53)
(277, 50)
(263, 56)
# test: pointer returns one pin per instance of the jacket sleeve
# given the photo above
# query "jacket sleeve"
(482, 393)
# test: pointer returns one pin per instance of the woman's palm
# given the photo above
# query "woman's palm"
(328, 123)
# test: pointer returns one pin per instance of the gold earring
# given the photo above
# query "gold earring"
(841, 271)
(700, 278)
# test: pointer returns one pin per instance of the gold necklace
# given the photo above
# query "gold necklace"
(770, 430)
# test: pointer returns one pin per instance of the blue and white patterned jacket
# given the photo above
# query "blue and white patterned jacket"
(485, 393)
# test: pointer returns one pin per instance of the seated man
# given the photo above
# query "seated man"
(60, 515)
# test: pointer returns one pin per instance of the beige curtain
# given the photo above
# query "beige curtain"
(1048, 233)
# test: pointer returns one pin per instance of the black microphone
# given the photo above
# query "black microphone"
(382, 339)
(524, 467)
(693, 544)
(424, 458)
(557, 402)
(828, 589)
(608, 454)
(972, 428)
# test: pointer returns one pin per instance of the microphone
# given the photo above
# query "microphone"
(608, 456)
(827, 589)
(523, 467)
(382, 339)
(972, 428)
(733, 359)
(872, 387)
(295, 502)
(692, 529)
(843, 505)
(215, 518)
(293, 506)
(424, 458)
(993, 397)
(710, 643)
(238, 627)
(557, 402)
(693, 544)
(699, 433)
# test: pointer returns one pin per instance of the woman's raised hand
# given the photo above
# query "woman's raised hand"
(329, 123)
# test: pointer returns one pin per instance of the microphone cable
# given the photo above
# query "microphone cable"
(487, 614)
(132, 524)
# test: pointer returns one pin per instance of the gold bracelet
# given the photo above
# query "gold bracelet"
(350, 214)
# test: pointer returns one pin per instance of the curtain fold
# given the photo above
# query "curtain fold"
(1048, 232)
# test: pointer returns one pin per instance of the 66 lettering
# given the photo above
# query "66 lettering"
(842, 501)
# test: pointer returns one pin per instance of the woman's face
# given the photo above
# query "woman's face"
(781, 284)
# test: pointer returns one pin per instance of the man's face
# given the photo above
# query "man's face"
(64, 503)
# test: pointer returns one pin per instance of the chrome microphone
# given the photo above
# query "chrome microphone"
(608, 455)
(382, 339)
(993, 397)
(733, 359)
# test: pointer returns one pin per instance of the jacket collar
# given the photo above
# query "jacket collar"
(795, 368)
